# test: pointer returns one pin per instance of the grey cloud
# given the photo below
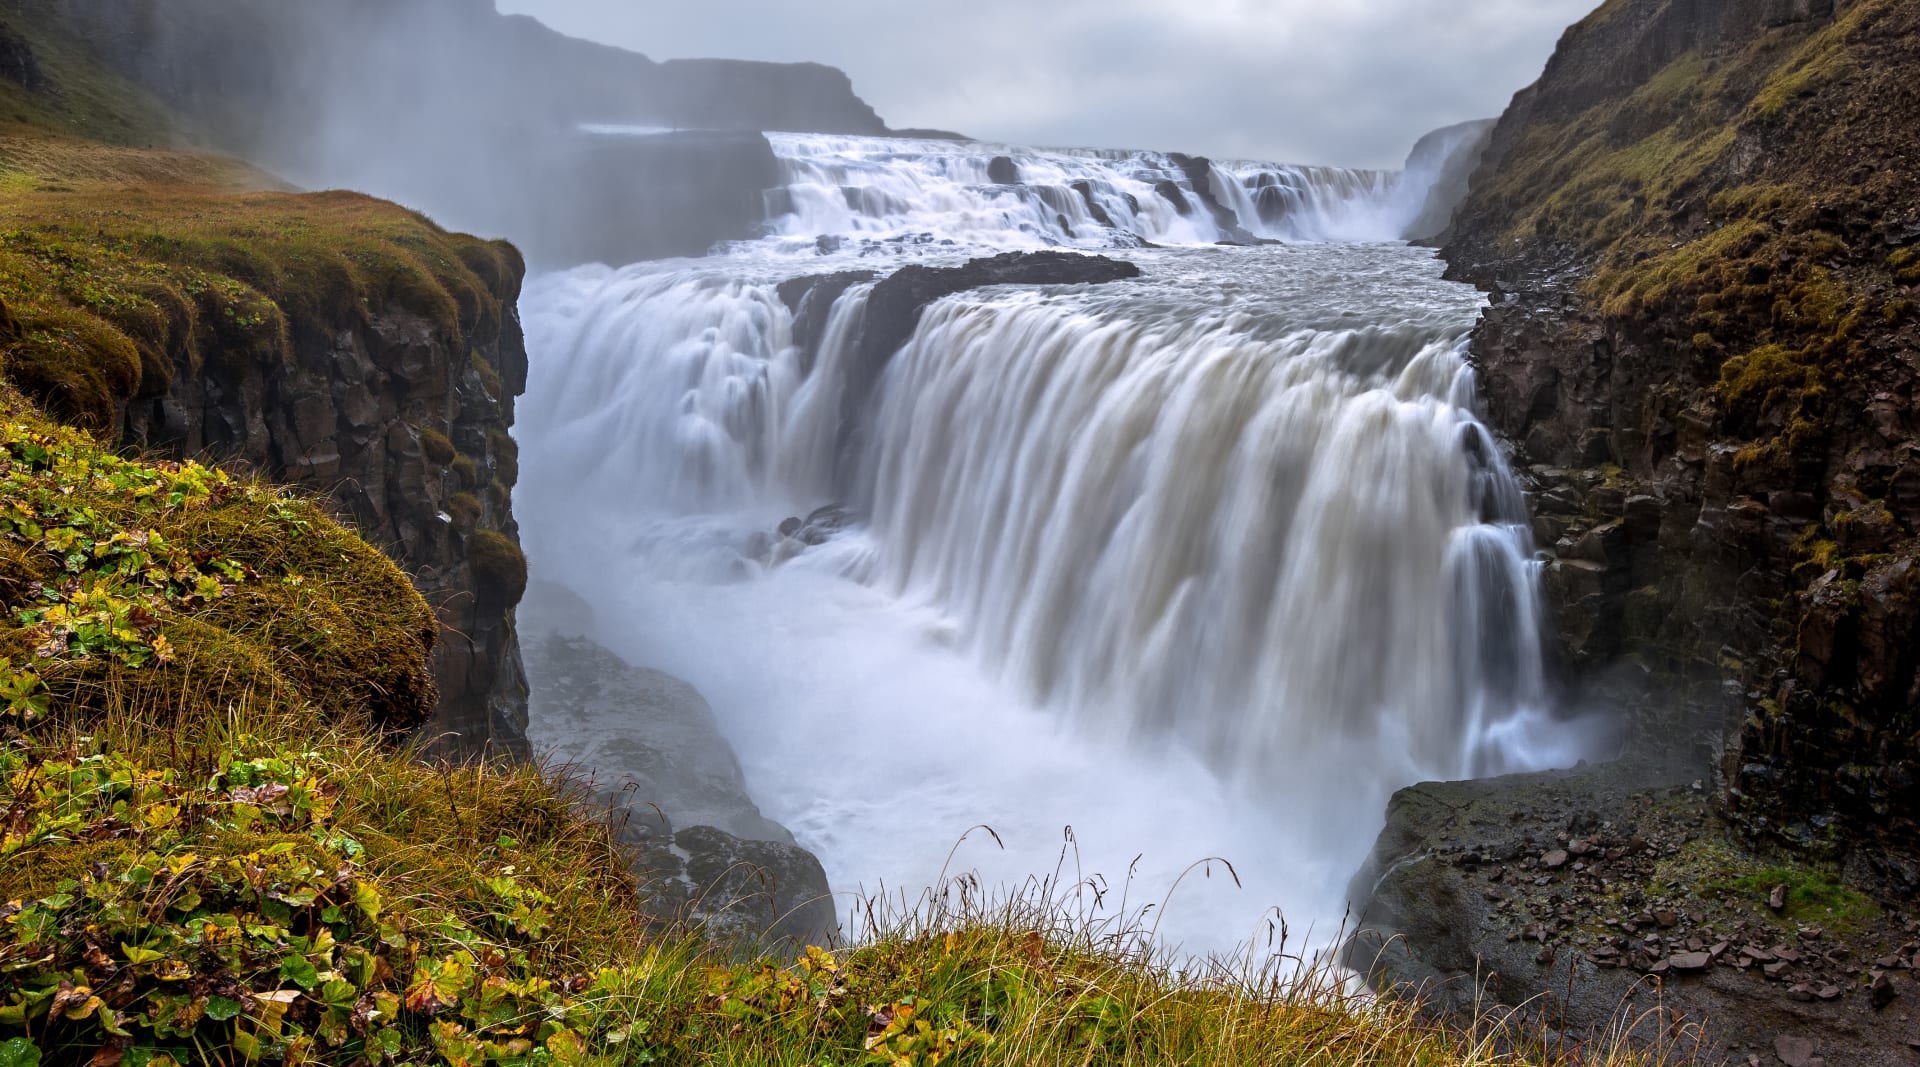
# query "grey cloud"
(1314, 81)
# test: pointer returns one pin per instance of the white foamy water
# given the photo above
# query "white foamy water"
(1202, 564)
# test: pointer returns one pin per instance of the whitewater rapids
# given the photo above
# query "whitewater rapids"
(1204, 564)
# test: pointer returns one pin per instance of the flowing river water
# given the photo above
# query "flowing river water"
(1203, 564)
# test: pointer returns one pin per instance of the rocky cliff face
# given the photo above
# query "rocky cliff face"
(1701, 229)
(403, 423)
(1700, 232)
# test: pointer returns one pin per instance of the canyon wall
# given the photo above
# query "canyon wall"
(1701, 232)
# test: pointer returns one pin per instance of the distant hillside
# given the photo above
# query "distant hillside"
(470, 115)
(251, 68)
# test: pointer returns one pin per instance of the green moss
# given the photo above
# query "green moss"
(466, 470)
(1821, 60)
(1763, 377)
(1717, 871)
(115, 290)
(506, 455)
(1905, 265)
(499, 564)
(1813, 896)
(155, 589)
(465, 509)
(489, 378)
(79, 367)
(499, 496)
(437, 446)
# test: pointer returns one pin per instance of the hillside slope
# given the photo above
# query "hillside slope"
(1700, 231)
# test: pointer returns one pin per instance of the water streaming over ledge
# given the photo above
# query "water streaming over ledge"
(1209, 562)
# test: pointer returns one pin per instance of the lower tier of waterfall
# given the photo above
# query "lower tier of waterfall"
(1201, 564)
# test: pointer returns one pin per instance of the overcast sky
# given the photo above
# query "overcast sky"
(1351, 82)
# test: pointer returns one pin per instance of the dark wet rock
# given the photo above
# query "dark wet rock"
(811, 300)
(19, 65)
(647, 746)
(897, 302)
(647, 735)
(1450, 155)
(1199, 174)
(795, 535)
(1756, 560)
(1171, 192)
(1002, 170)
(1882, 990)
(894, 307)
(1793, 1051)
(1094, 208)
(744, 895)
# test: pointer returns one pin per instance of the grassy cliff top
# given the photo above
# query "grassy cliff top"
(108, 285)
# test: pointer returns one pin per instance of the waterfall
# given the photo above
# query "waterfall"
(1264, 547)
(1210, 561)
(873, 190)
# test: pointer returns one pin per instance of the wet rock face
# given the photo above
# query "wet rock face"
(405, 430)
(646, 735)
(647, 746)
(740, 892)
(1579, 899)
(19, 65)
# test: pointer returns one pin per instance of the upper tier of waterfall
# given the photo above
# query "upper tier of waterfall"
(864, 191)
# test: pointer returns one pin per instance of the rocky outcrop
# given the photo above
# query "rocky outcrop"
(1199, 174)
(649, 735)
(19, 64)
(893, 310)
(401, 419)
(1446, 160)
(646, 744)
(245, 66)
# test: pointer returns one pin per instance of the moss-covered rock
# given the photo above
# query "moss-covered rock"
(499, 564)
(160, 590)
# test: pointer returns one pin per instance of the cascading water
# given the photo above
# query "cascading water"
(863, 189)
(1204, 563)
